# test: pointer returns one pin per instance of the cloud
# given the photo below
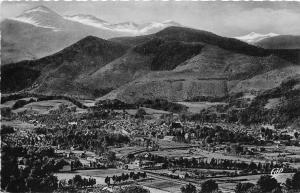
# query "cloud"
(223, 18)
(282, 21)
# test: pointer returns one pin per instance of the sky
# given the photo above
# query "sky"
(223, 18)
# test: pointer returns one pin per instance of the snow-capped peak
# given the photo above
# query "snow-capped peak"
(41, 16)
(156, 26)
(255, 37)
(88, 20)
(84, 16)
(39, 9)
(44, 17)
(130, 28)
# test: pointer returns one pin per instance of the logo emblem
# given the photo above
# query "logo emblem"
(276, 171)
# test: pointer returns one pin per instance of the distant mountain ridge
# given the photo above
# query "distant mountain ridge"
(129, 28)
(40, 31)
(280, 42)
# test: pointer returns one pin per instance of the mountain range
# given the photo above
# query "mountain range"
(281, 41)
(176, 63)
(40, 32)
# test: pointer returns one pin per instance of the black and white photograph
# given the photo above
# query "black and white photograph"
(150, 96)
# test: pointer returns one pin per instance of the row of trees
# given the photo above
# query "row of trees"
(265, 184)
(208, 186)
(124, 177)
(212, 164)
(84, 138)
(78, 182)
(268, 184)
(215, 135)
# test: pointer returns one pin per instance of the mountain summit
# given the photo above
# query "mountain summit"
(128, 28)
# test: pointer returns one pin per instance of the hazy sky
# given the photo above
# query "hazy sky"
(223, 18)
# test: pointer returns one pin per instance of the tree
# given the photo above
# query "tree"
(49, 183)
(140, 113)
(267, 183)
(243, 187)
(209, 186)
(255, 189)
(5, 129)
(296, 181)
(111, 156)
(77, 181)
(189, 188)
(277, 190)
(107, 180)
(6, 112)
(123, 177)
(293, 183)
(92, 182)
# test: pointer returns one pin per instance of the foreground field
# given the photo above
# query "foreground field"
(100, 175)
(161, 184)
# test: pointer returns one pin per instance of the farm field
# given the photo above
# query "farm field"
(229, 183)
(87, 102)
(11, 103)
(98, 174)
(200, 153)
(153, 112)
(19, 124)
(43, 107)
(196, 107)
(126, 150)
(154, 185)
(172, 144)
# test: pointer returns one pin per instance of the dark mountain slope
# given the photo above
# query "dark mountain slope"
(283, 113)
(204, 37)
(57, 70)
(17, 77)
(192, 35)
(155, 54)
(211, 73)
(168, 54)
